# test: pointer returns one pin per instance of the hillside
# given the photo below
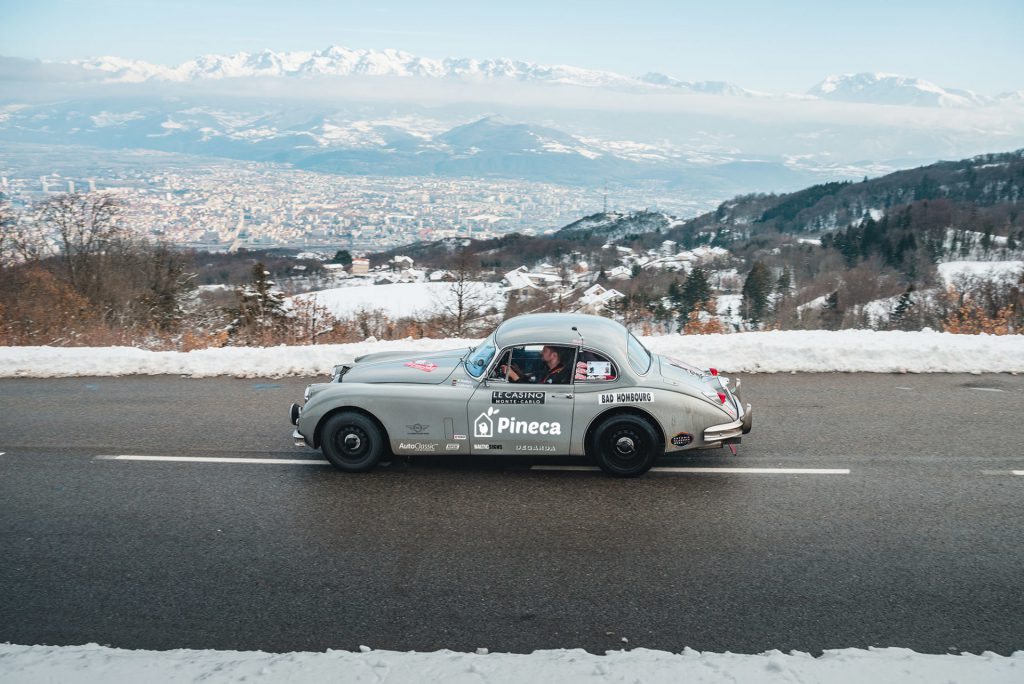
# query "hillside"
(986, 181)
(985, 191)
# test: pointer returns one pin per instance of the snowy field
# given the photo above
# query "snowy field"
(400, 299)
(998, 271)
(863, 351)
(92, 663)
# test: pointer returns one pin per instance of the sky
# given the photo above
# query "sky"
(778, 46)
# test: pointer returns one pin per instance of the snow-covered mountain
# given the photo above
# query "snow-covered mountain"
(893, 89)
(339, 62)
(706, 87)
(343, 61)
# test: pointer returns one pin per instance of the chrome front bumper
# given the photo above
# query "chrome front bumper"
(300, 441)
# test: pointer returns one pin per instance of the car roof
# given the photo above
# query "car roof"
(557, 328)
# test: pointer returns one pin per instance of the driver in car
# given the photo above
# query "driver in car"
(556, 374)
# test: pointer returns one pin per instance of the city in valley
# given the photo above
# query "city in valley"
(223, 205)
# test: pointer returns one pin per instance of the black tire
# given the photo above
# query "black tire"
(625, 445)
(352, 442)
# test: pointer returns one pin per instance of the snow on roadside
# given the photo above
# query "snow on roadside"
(862, 351)
(93, 663)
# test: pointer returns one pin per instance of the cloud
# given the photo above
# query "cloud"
(35, 71)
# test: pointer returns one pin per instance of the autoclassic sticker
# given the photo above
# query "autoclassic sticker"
(625, 397)
(682, 439)
(517, 397)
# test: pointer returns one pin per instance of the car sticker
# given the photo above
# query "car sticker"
(421, 365)
(417, 429)
(486, 425)
(682, 439)
(517, 397)
(452, 446)
(487, 447)
(534, 447)
(627, 397)
(459, 437)
(417, 446)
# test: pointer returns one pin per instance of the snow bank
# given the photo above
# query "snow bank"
(92, 663)
(242, 362)
(863, 351)
(855, 351)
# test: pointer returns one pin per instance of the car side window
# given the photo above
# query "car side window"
(539, 364)
(593, 366)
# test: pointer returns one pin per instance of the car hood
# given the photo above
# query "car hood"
(407, 367)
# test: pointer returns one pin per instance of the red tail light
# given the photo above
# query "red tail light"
(713, 371)
(721, 397)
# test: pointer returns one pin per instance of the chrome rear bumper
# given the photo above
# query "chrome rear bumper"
(740, 426)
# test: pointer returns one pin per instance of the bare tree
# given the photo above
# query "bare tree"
(83, 227)
(460, 310)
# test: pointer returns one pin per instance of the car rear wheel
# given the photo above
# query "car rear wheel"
(624, 445)
(352, 442)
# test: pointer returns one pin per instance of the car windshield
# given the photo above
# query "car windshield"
(639, 357)
(478, 359)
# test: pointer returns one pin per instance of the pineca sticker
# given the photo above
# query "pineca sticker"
(489, 424)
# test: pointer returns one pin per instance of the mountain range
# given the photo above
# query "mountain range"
(338, 61)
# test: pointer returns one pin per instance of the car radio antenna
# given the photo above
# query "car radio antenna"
(577, 331)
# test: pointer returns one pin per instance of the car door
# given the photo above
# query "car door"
(520, 417)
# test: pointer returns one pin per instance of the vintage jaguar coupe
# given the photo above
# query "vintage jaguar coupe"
(540, 385)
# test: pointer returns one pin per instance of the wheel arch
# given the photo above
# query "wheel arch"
(619, 411)
(353, 409)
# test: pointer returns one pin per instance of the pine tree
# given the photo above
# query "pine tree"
(901, 314)
(784, 285)
(832, 312)
(260, 305)
(696, 292)
(757, 289)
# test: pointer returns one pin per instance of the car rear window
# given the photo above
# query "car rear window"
(592, 366)
(639, 357)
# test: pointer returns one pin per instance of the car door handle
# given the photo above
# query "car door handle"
(563, 396)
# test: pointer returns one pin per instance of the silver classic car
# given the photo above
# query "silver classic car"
(541, 384)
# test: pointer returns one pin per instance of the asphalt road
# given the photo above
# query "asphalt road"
(921, 545)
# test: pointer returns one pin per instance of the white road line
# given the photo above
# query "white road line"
(212, 459)
(752, 471)
(986, 389)
(1017, 472)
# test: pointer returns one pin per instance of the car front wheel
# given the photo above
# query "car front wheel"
(352, 442)
(624, 445)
